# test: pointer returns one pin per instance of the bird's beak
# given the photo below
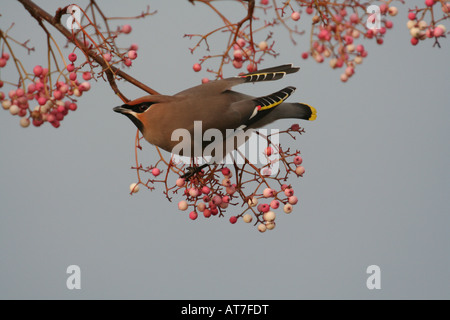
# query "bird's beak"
(122, 110)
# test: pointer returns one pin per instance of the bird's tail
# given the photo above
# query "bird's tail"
(269, 74)
(297, 111)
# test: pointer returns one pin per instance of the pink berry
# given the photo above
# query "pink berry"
(411, 16)
(126, 28)
(309, 10)
(264, 2)
(55, 124)
(87, 76)
(37, 123)
(205, 80)
(225, 199)
(20, 92)
(194, 192)
(5, 55)
(438, 31)
(226, 171)
(265, 207)
(31, 88)
(295, 16)
(42, 101)
(237, 64)
(233, 220)
(274, 204)
(58, 95)
(72, 106)
(193, 215)
(298, 160)
(156, 172)
(205, 190)
(251, 68)
(214, 211)
(305, 55)
(348, 39)
(197, 67)
(293, 200)
(180, 182)
(300, 170)
(85, 86)
(51, 118)
(37, 70)
(61, 109)
(349, 71)
(240, 42)
(59, 116)
(134, 47)
(70, 67)
(132, 54)
(207, 213)
(127, 62)
(414, 41)
(201, 207)
(73, 76)
(22, 112)
(72, 57)
(267, 193)
(107, 57)
(182, 205)
(354, 18)
(237, 54)
(284, 187)
(217, 200)
(2, 62)
(232, 189)
(429, 3)
(289, 192)
(389, 24)
(268, 151)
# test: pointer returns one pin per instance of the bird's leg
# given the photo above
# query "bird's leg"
(191, 171)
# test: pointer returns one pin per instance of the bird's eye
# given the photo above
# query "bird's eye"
(141, 107)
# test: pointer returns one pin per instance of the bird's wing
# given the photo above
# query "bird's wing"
(219, 86)
(259, 108)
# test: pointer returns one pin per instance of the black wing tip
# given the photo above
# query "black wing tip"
(288, 68)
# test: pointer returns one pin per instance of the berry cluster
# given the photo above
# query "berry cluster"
(418, 26)
(48, 93)
(338, 32)
(212, 190)
(51, 103)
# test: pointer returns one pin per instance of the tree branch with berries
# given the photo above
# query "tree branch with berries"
(335, 31)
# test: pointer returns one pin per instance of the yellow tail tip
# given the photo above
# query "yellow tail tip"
(313, 114)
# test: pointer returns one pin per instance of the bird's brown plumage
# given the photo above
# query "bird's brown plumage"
(216, 106)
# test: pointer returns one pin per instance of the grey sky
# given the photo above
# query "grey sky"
(375, 190)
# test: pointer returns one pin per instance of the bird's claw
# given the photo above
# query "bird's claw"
(190, 171)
